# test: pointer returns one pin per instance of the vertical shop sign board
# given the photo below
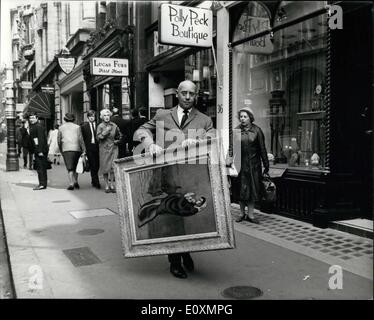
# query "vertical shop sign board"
(185, 26)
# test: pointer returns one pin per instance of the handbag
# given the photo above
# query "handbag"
(269, 189)
(231, 168)
(48, 164)
(80, 167)
(34, 165)
(86, 164)
(232, 171)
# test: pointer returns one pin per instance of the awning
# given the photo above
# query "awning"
(42, 104)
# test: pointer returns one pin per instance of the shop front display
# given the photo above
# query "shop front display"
(282, 64)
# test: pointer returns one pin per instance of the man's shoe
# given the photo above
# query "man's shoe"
(76, 185)
(40, 188)
(188, 264)
(241, 218)
(70, 187)
(178, 272)
(254, 220)
(98, 186)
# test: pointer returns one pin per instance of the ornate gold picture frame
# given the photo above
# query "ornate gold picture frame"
(176, 202)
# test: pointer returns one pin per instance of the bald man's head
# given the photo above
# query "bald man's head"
(186, 94)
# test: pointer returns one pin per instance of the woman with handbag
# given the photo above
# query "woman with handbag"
(70, 142)
(109, 136)
(247, 160)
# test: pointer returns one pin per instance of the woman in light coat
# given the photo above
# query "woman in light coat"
(71, 144)
(54, 151)
(109, 136)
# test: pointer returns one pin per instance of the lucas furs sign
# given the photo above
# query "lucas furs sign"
(109, 67)
(186, 26)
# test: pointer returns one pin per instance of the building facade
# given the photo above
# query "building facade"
(23, 53)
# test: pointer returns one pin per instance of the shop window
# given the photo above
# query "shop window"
(291, 10)
(282, 79)
(199, 67)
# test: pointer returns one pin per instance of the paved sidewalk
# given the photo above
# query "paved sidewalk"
(351, 252)
(67, 244)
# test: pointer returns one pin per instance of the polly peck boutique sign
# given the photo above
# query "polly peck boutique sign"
(186, 26)
(109, 67)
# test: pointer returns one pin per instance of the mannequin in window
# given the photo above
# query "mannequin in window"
(277, 124)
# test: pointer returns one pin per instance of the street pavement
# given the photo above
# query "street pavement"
(57, 250)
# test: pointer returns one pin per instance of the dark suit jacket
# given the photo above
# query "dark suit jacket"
(25, 139)
(38, 134)
(169, 117)
(124, 127)
(86, 133)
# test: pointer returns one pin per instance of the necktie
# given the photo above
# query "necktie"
(185, 117)
(93, 135)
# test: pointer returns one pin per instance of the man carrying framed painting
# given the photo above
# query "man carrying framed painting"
(182, 120)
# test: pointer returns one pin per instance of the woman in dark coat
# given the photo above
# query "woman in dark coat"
(247, 160)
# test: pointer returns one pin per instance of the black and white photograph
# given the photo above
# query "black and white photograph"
(206, 155)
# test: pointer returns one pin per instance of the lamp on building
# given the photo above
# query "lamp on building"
(196, 75)
(206, 72)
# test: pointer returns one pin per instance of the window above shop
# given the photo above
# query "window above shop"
(253, 19)
(292, 10)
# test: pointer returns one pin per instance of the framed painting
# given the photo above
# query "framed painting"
(176, 202)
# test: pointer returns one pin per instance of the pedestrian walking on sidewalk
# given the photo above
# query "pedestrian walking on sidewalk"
(180, 119)
(88, 129)
(40, 148)
(125, 129)
(54, 150)
(70, 142)
(26, 144)
(253, 151)
(109, 137)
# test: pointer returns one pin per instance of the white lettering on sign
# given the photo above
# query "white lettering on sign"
(26, 85)
(66, 64)
(187, 26)
(109, 67)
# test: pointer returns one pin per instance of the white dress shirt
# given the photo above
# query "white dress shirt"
(92, 127)
(180, 113)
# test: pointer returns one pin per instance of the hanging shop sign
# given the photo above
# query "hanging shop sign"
(66, 64)
(249, 25)
(26, 84)
(48, 89)
(109, 67)
(185, 26)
